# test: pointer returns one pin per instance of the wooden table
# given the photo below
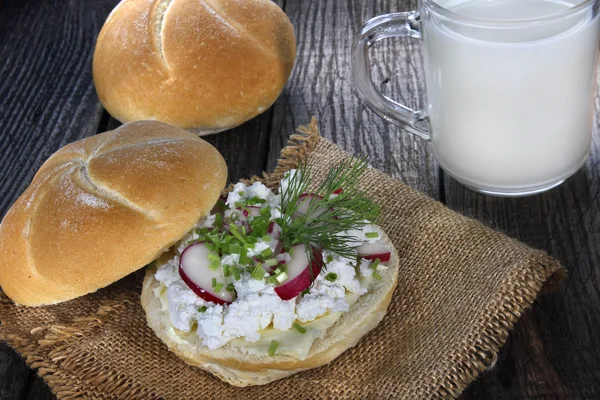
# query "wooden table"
(47, 99)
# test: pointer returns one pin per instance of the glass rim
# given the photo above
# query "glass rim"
(486, 22)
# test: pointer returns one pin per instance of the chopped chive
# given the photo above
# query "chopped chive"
(234, 248)
(213, 257)
(237, 273)
(249, 245)
(299, 327)
(329, 258)
(219, 287)
(266, 238)
(375, 264)
(305, 291)
(214, 282)
(230, 287)
(241, 193)
(372, 235)
(239, 204)
(281, 277)
(234, 231)
(267, 252)
(273, 348)
(202, 309)
(214, 265)
(331, 277)
(271, 262)
(265, 211)
(259, 272)
(376, 275)
(226, 271)
(218, 220)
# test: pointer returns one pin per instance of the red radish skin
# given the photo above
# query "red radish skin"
(373, 251)
(383, 257)
(199, 291)
(194, 269)
(274, 230)
(300, 272)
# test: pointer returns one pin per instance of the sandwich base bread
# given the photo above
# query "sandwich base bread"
(239, 368)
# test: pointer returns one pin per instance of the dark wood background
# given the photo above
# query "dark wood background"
(47, 99)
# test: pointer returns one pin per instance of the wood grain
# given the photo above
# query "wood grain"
(47, 99)
(554, 352)
(321, 85)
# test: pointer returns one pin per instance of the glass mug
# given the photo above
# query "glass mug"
(510, 87)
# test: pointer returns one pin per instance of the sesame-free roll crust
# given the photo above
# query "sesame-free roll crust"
(103, 207)
(203, 65)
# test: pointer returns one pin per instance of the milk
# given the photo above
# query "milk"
(511, 109)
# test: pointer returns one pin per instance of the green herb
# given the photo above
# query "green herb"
(375, 264)
(281, 277)
(214, 265)
(299, 327)
(376, 275)
(271, 262)
(266, 238)
(218, 220)
(267, 252)
(219, 287)
(214, 282)
(202, 309)
(327, 219)
(331, 277)
(226, 271)
(273, 348)
(305, 291)
(329, 258)
(259, 272)
(372, 235)
(237, 273)
(230, 287)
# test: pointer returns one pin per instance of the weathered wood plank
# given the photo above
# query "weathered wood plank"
(47, 99)
(554, 351)
(321, 85)
(13, 374)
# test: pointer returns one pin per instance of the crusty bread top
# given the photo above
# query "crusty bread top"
(103, 207)
(203, 65)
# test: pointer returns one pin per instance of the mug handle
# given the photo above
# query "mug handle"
(381, 27)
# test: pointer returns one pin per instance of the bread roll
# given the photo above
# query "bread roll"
(203, 65)
(103, 207)
(241, 369)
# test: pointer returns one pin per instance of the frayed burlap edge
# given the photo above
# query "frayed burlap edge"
(45, 348)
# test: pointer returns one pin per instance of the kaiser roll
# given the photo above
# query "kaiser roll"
(103, 207)
(202, 65)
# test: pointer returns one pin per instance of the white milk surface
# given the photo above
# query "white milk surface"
(511, 109)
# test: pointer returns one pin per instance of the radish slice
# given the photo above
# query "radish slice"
(304, 203)
(300, 272)
(274, 230)
(336, 193)
(373, 251)
(194, 269)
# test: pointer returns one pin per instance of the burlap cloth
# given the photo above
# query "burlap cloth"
(461, 288)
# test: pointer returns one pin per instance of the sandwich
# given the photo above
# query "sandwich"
(252, 286)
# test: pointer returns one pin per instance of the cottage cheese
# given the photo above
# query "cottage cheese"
(257, 306)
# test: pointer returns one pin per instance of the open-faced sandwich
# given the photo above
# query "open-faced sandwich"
(269, 284)
(253, 287)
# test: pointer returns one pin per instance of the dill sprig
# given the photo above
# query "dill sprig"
(329, 218)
